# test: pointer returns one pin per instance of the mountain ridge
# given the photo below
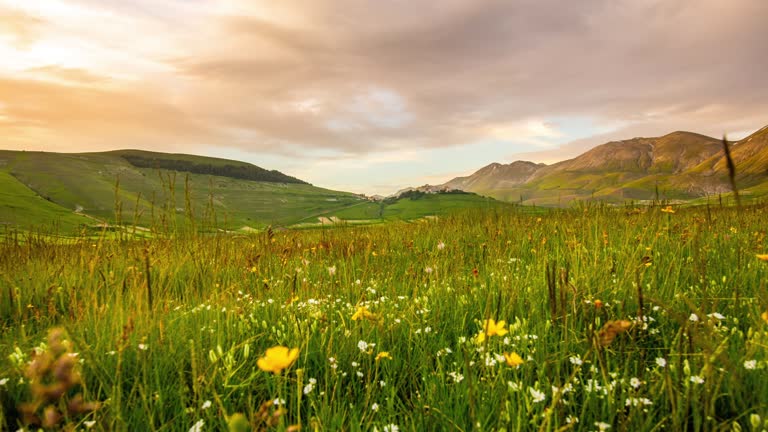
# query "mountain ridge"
(680, 165)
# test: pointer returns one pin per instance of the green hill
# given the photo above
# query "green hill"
(137, 187)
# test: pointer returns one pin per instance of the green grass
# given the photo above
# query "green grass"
(21, 207)
(168, 331)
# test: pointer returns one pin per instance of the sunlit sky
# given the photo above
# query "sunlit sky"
(371, 96)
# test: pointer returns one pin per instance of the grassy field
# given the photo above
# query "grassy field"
(591, 318)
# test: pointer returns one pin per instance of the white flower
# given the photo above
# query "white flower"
(359, 374)
(278, 402)
(197, 427)
(716, 315)
(3, 382)
(457, 377)
(576, 360)
(332, 270)
(697, 379)
(310, 386)
(375, 407)
(428, 270)
(144, 347)
(748, 364)
(571, 419)
(602, 426)
(661, 362)
(391, 428)
(693, 317)
(207, 404)
(364, 346)
(538, 396)
(382, 383)
(89, 424)
(440, 246)
(635, 383)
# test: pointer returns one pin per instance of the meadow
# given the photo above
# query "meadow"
(589, 318)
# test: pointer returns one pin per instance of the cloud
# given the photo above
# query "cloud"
(359, 77)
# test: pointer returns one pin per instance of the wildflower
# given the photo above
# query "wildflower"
(598, 304)
(143, 347)
(693, 317)
(456, 376)
(612, 328)
(762, 257)
(89, 424)
(576, 360)
(716, 315)
(310, 386)
(538, 396)
(197, 427)
(513, 359)
(382, 383)
(635, 383)
(278, 358)
(365, 346)
(697, 379)
(492, 328)
(207, 404)
(668, 209)
(3, 382)
(441, 246)
(331, 270)
(475, 272)
(603, 426)
(571, 419)
(750, 364)
(764, 316)
(661, 362)
(637, 401)
(362, 312)
(391, 428)
(383, 355)
(375, 407)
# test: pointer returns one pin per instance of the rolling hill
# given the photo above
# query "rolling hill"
(160, 190)
(678, 166)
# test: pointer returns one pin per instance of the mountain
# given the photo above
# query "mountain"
(676, 166)
(159, 190)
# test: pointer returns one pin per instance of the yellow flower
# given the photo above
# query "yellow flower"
(492, 328)
(762, 257)
(513, 359)
(668, 209)
(362, 312)
(383, 355)
(278, 358)
(764, 316)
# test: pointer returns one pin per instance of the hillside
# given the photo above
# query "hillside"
(676, 166)
(38, 189)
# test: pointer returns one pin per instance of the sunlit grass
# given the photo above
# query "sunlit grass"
(578, 319)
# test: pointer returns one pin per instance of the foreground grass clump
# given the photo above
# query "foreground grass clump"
(585, 319)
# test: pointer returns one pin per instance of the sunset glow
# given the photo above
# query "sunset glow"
(371, 96)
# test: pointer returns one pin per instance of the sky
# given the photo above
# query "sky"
(372, 96)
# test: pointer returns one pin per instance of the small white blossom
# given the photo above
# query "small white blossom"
(635, 382)
(440, 246)
(693, 317)
(144, 347)
(697, 379)
(748, 364)
(538, 396)
(661, 362)
(602, 426)
(197, 427)
(207, 404)
(576, 360)
(375, 407)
